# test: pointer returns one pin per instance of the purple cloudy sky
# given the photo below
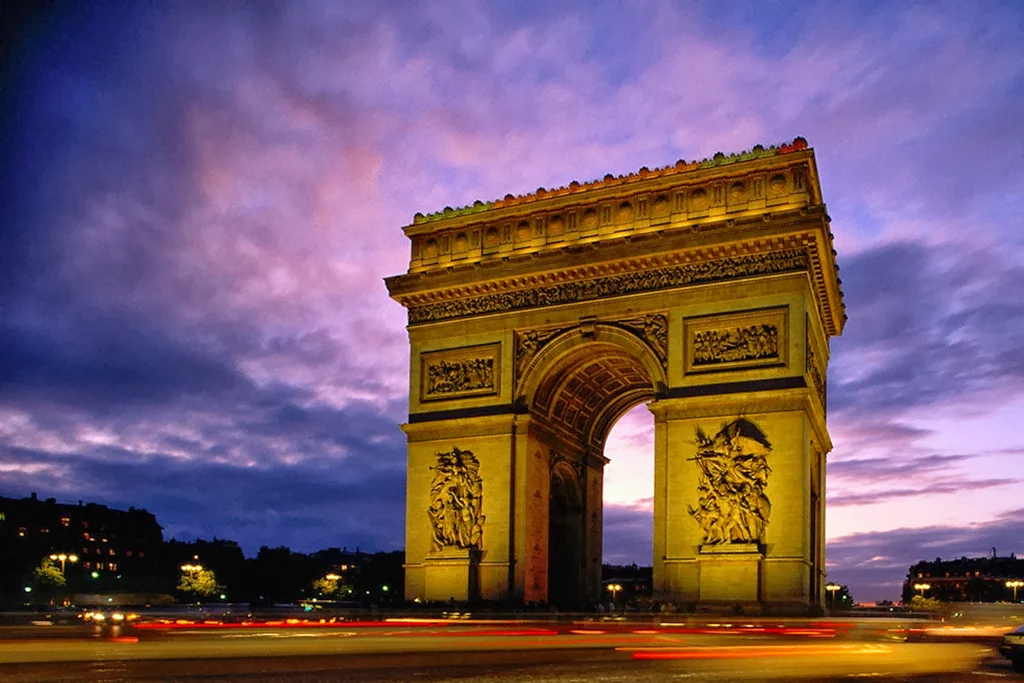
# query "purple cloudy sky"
(200, 200)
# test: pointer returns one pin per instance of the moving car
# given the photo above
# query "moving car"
(1013, 648)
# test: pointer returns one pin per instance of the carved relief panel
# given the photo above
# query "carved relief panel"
(732, 506)
(736, 341)
(460, 373)
(456, 501)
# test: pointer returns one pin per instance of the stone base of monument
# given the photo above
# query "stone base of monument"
(730, 574)
(452, 574)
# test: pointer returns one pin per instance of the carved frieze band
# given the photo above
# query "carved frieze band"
(733, 267)
(736, 340)
(456, 501)
(460, 373)
(732, 504)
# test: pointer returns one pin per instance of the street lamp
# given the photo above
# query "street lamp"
(64, 557)
(614, 589)
(1015, 584)
(832, 588)
(922, 587)
(191, 568)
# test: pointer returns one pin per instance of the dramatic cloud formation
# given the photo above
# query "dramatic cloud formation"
(200, 201)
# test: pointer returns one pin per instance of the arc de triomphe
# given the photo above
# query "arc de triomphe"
(707, 291)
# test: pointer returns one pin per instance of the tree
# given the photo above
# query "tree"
(839, 600)
(200, 582)
(919, 603)
(48, 575)
(326, 586)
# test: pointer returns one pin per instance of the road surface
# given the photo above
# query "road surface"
(478, 653)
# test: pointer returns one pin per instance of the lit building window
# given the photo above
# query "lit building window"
(65, 521)
(113, 552)
(112, 566)
(127, 553)
(142, 554)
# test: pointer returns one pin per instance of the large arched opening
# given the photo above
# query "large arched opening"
(576, 389)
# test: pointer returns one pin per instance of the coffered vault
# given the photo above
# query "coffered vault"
(706, 290)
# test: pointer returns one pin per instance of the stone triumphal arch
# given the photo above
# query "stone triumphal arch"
(707, 291)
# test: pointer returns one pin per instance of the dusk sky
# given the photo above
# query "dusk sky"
(200, 201)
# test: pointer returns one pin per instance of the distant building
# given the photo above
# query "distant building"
(103, 540)
(626, 583)
(967, 579)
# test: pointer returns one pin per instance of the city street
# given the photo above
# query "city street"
(500, 651)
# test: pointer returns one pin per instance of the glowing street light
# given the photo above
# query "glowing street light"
(832, 588)
(192, 567)
(614, 589)
(922, 587)
(64, 557)
(1015, 584)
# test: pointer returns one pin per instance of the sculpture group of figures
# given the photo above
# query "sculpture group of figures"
(741, 343)
(456, 501)
(732, 505)
(449, 377)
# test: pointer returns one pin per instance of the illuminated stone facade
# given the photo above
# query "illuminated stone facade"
(706, 290)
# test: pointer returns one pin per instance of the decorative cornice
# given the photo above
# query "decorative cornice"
(609, 180)
(680, 222)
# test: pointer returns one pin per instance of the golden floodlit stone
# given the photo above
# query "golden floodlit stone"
(707, 291)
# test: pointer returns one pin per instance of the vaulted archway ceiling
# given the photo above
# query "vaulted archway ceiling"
(590, 389)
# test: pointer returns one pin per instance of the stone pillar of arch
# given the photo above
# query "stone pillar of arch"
(707, 291)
